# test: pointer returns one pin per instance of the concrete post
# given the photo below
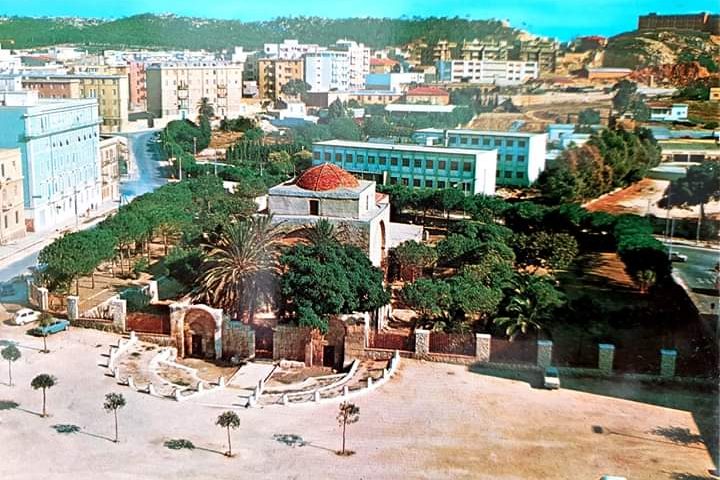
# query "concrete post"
(221, 381)
(73, 307)
(133, 336)
(482, 347)
(177, 395)
(544, 353)
(285, 399)
(44, 298)
(152, 291)
(606, 356)
(131, 382)
(667, 362)
(346, 390)
(151, 390)
(385, 373)
(317, 395)
(369, 382)
(200, 387)
(118, 307)
(422, 343)
(116, 374)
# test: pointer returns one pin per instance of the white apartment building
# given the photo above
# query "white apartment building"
(359, 58)
(176, 89)
(328, 70)
(290, 50)
(497, 72)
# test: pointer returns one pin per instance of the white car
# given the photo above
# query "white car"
(25, 316)
(552, 378)
(678, 257)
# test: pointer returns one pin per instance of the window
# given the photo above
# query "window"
(316, 155)
(17, 217)
(338, 157)
(441, 184)
(428, 184)
(508, 174)
(429, 164)
(394, 161)
(467, 167)
(519, 174)
(464, 140)
(486, 141)
(348, 157)
(360, 158)
(442, 164)
(475, 141)
(508, 158)
(405, 181)
(327, 156)
(393, 180)
(314, 207)
(416, 182)
(497, 173)
(521, 143)
(521, 158)
(371, 159)
(383, 160)
(454, 165)
(510, 143)
(405, 162)
(455, 139)
(417, 163)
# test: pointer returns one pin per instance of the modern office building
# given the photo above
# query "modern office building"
(359, 62)
(520, 155)
(274, 74)
(176, 89)
(473, 171)
(496, 72)
(12, 211)
(59, 145)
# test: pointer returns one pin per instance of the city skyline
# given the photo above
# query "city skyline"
(562, 20)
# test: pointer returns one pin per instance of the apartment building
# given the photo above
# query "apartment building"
(444, 50)
(59, 146)
(520, 155)
(12, 223)
(273, 74)
(289, 50)
(699, 22)
(137, 83)
(540, 51)
(113, 151)
(479, 50)
(328, 70)
(502, 73)
(53, 87)
(176, 89)
(359, 62)
(472, 171)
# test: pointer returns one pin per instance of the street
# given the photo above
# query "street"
(699, 270)
(146, 179)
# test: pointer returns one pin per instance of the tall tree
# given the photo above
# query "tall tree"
(205, 108)
(530, 303)
(228, 420)
(43, 382)
(114, 402)
(12, 354)
(349, 413)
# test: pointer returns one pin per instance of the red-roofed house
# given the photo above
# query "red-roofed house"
(427, 95)
(383, 65)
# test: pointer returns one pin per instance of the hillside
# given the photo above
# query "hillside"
(170, 31)
(655, 48)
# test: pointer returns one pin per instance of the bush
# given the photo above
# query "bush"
(711, 125)
(137, 300)
(179, 444)
(140, 266)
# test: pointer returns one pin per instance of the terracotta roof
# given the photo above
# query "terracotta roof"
(326, 177)
(434, 91)
(383, 61)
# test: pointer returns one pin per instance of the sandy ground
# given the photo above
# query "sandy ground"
(431, 421)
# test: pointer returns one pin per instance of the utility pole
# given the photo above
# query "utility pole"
(76, 210)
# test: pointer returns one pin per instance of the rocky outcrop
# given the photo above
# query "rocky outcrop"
(671, 74)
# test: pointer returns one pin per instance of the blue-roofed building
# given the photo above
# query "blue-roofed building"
(520, 155)
(418, 166)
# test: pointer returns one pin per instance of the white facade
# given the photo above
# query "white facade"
(487, 71)
(359, 57)
(328, 70)
(59, 144)
(289, 50)
(673, 113)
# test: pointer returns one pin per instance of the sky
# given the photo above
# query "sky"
(561, 19)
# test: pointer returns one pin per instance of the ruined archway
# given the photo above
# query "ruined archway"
(197, 330)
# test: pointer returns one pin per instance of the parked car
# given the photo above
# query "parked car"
(58, 325)
(25, 315)
(678, 257)
(552, 378)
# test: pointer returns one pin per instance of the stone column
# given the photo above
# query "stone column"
(73, 307)
(606, 355)
(250, 342)
(152, 291)
(119, 313)
(177, 327)
(544, 353)
(422, 343)
(667, 362)
(482, 347)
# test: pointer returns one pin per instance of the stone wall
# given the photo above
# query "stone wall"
(355, 341)
(289, 342)
(238, 340)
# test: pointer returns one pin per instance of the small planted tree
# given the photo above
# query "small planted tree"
(44, 320)
(114, 402)
(43, 382)
(12, 354)
(349, 413)
(228, 420)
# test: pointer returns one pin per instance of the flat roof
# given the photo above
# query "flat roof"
(401, 148)
(481, 132)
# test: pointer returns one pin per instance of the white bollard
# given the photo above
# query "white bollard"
(151, 390)
(131, 382)
(346, 390)
(385, 373)
(116, 373)
(317, 396)
(177, 395)
(285, 399)
(369, 382)
(221, 381)
(200, 387)
(133, 336)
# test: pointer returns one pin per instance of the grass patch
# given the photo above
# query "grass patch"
(179, 444)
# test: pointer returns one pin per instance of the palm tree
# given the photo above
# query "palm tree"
(228, 420)
(532, 299)
(205, 108)
(43, 381)
(241, 266)
(322, 232)
(113, 402)
(349, 413)
(12, 354)
(520, 317)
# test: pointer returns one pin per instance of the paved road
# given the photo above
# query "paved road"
(147, 179)
(699, 270)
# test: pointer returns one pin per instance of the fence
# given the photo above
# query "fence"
(516, 351)
(392, 341)
(452, 343)
(153, 323)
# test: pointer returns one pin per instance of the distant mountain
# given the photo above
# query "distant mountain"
(655, 48)
(171, 31)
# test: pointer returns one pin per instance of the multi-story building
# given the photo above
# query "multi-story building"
(137, 85)
(479, 50)
(428, 96)
(328, 70)
(444, 50)
(497, 72)
(113, 151)
(289, 50)
(520, 155)
(274, 74)
(699, 22)
(668, 113)
(111, 92)
(541, 51)
(12, 223)
(393, 82)
(359, 62)
(384, 65)
(176, 89)
(59, 145)
(472, 171)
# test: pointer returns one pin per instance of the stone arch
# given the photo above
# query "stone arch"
(197, 330)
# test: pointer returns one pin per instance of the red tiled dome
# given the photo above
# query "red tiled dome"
(326, 177)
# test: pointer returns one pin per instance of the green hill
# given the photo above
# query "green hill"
(170, 31)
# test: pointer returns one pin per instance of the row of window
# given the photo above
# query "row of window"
(509, 174)
(428, 183)
(487, 142)
(397, 161)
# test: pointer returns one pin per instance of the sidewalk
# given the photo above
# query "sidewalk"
(35, 241)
